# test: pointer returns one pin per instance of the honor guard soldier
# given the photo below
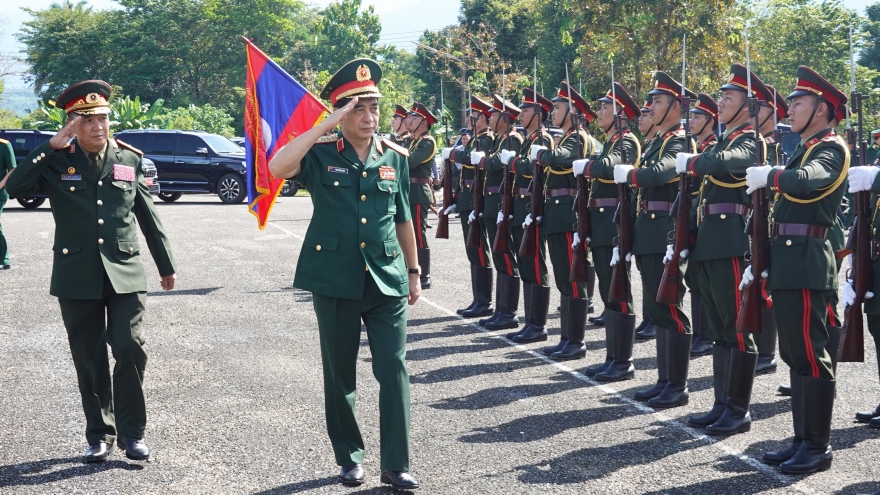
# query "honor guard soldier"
(718, 257)
(98, 195)
(809, 193)
(504, 115)
(359, 261)
(873, 157)
(421, 195)
(559, 220)
(619, 318)
(479, 258)
(704, 121)
(534, 109)
(7, 165)
(657, 183)
(400, 135)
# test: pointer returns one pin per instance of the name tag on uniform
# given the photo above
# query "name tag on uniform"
(387, 173)
(337, 170)
(123, 172)
(71, 177)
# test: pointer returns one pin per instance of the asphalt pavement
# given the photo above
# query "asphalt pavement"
(234, 388)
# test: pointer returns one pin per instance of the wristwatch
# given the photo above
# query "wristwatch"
(415, 271)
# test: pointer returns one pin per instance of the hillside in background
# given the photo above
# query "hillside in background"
(18, 99)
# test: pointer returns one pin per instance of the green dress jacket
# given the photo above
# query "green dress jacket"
(356, 207)
(7, 163)
(558, 214)
(809, 191)
(95, 218)
(465, 201)
(510, 141)
(601, 174)
(420, 160)
(524, 168)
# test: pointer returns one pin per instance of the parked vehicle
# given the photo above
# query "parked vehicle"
(192, 162)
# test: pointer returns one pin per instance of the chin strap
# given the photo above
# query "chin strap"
(704, 127)
(812, 114)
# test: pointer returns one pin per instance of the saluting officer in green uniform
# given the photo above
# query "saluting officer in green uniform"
(7, 165)
(619, 318)
(421, 159)
(400, 135)
(704, 121)
(657, 183)
(96, 188)
(504, 115)
(718, 257)
(809, 192)
(357, 252)
(534, 110)
(479, 258)
(559, 221)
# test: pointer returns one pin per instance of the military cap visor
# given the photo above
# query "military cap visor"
(358, 78)
(420, 110)
(400, 111)
(777, 102)
(501, 105)
(875, 134)
(481, 106)
(567, 93)
(811, 83)
(86, 98)
(706, 106)
(739, 81)
(665, 85)
(624, 100)
(646, 108)
(532, 99)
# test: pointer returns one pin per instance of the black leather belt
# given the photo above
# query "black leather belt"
(522, 191)
(468, 183)
(646, 206)
(726, 208)
(419, 180)
(801, 229)
(493, 189)
(566, 191)
(604, 203)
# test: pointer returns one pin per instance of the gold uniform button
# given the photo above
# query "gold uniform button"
(491, 194)
(100, 183)
(393, 253)
(601, 210)
(468, 186)
(72, 189)
(723, 216)
(874, 232)
(557, 201)
(35, 160)
(100, 202)
(363, 245)
(364, 174)
(336, 183)
(368, 268)
(100, 221)
(522, 196)
(101, 241)
(363, 220)
(42, 155)
(130, 250)
(318, 247)
(363, 197)
(653, 216)
(788, 242)
(64, 251)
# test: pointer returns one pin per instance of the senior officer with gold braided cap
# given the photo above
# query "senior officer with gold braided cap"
(356, 255)
(422, 149)
(96, 188)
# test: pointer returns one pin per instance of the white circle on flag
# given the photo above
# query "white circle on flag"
(267, 134)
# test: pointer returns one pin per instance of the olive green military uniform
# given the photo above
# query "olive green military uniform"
(873, 157)
(465, 202)
(97, 268)
(7, 164)
(505, 262)
(353, 264)
(532, 269)
(421, 195)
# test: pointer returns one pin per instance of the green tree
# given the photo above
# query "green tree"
(344, 31)
(204, 118)
(870, 53)
(127, 113)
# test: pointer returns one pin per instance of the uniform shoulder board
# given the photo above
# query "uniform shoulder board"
(129, 147)
(328, 138)
(395, 147)
(3, 141)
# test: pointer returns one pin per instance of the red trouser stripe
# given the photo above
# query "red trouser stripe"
(507, 262)
(419, 227)
(811, 357)
(570, 239)
(737, 301)
(831, 320)
(623, 307)
(674, 312)
(764, 293)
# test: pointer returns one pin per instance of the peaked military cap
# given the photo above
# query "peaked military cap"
(420, 110)
(624, 100)
(739, 81)
(706, 105)
(811, 83)
(86, 98)
(777, 102)
(481, 106)
(665, 85)
(360, 78)
(531, 99)
(875, 134)
(567, 93)
(400, 111)
(646, 108)
(499, 104)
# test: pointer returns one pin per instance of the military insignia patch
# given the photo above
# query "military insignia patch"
(363, 73)
(71, 170)
(337, 170)
(71, 177)
(123, 172)
(387, 173)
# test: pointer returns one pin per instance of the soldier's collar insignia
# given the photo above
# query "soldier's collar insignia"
(363, 73)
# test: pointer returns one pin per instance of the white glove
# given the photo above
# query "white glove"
(748, 278)
(500, 217)
(578, 166)
(577, 240)
(458, 165)
(862, 178)
(506, 156)
(620, 173)
(528, 220)
(670, 252)
(681, 162)
(449, 211)
(446, 152)
(756, 177)
(476, 157)
(615, 256)
(533, 152)
(471, 217)
(849, 293)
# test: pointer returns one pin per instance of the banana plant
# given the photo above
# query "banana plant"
(127, 113)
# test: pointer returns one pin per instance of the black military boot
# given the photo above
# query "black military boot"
(701, 343)
(868, 416)
(482, 294)
(473, 291)
(508, 304)
(649, 332)
(424, 256)
(797, 414)
(815, 452)
(563, 326)
(609, 339)
(676, 392)
(766, 341)
(591, 285)
(736, 417)
(662, 371)
(535, 329)
(720, 378)
(623, 331)
(577, 322)
(499, 298)
(527, 309)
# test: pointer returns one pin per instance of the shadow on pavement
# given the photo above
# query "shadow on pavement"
(417, 322)
(869, 487)
(500, 396)
(744, 484)
(766, 410)
(186, 292)
(447, 332)
(40, 472)
(301, 486)
(451, 373)
(480, 345)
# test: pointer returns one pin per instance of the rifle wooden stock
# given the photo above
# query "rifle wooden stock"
(500, 245)
(620, 289)
(749, 319)
(579, 262)
(443, 221)
(473, 237)
(853, 348)
(528, 247)
(670, 282)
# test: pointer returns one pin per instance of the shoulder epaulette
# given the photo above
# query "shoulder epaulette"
(676, 133)
(395, 147)
(3, 141)
(830, 138)
(737, 133)
(129, 147)
(327, 138)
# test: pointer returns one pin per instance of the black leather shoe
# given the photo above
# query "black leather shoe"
(134, 448)
(599, 321)
(99, 452)
(399, 479)
(784, 390)
(5, 267)
(647, 333)
(352, 475)
(425, 282)
(866, 416)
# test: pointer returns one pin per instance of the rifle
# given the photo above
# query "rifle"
(529, 242)
(502, 234)
(669, 291)
(443, 220)
(474, 234)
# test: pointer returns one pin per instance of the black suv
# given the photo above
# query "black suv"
(193, 162)
(24, 141)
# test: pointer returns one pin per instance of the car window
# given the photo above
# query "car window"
(188, 145)
(22, 144)
(163, 144)
(135, 139)
(221, 145)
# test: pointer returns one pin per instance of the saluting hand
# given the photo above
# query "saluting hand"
(68, 132)
(336, 117)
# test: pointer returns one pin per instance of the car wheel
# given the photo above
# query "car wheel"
(289, 188)
(230, 188)
(31, 203)
(169, 197)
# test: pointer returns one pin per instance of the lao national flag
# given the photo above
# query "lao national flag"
(277, 109)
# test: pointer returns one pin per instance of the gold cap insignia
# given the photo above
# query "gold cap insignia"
(731, 77)
(363, 73)
(71, 170)
(92, 97)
